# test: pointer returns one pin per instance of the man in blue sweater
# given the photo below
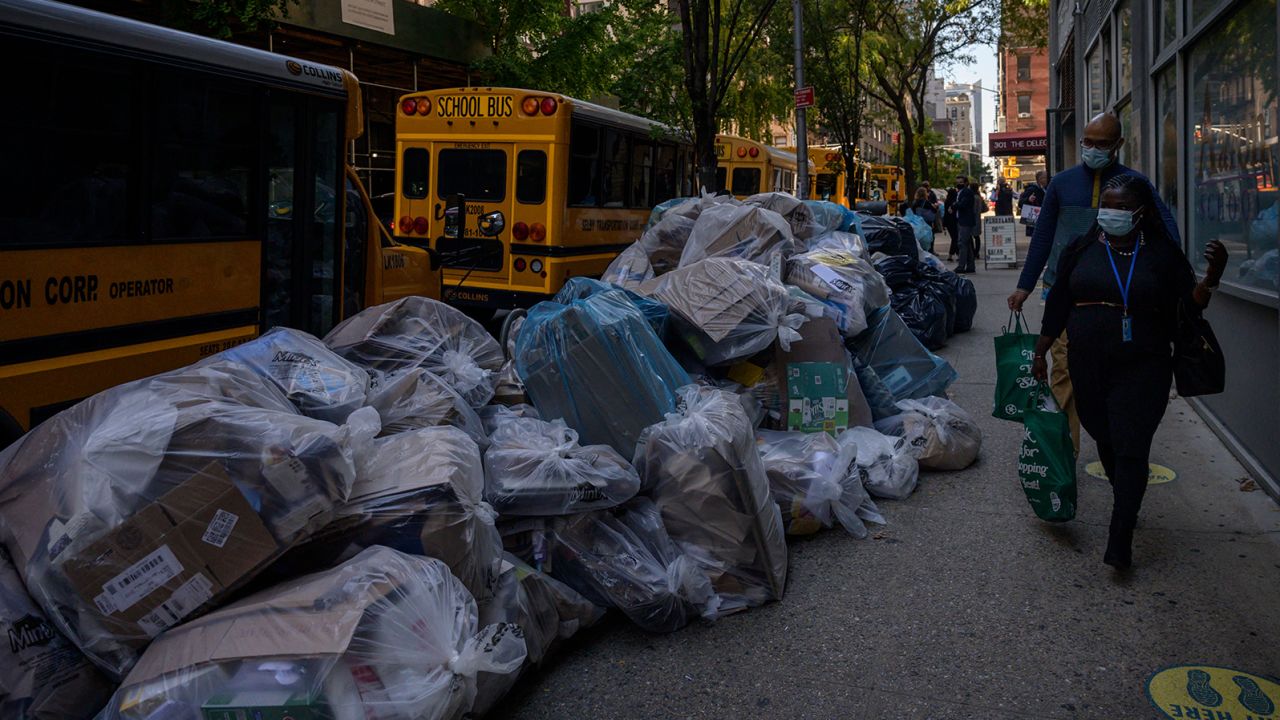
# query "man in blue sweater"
(1069, 210)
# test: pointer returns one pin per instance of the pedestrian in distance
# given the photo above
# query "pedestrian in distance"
(1033, 196)
(980, 208)
(1117, 297)
(1004, 198)
(966, 223)
(1069, 210)
(949, 219)
(925, 205)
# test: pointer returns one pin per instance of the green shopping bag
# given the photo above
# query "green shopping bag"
(1015, 350)
(1047, 460)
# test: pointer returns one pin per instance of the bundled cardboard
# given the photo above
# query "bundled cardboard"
(384, 636)
(816, 483)
(703, 470)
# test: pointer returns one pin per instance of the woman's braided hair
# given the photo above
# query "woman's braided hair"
(1151, 224)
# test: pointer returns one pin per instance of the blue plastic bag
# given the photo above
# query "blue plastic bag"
(906, 368)
(924, 233)
(597, 363)
(580, 288)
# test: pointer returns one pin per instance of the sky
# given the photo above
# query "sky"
(984, 67)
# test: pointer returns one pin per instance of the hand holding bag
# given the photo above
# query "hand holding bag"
(1199, 367)
(1015, 387)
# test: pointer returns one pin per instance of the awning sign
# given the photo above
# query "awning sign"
(1018, 144)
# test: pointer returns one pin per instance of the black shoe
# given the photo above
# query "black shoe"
(1119, 554)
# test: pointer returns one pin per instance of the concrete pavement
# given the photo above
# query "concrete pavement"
(965, 605)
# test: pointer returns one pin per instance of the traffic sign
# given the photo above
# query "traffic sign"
(804, 97)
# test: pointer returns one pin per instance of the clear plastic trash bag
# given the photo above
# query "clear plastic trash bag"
(152, 501)
(839, 241)
(538, 468)
(418, 399)
(816, 483)
(798, 213)
(843, 280)
(415, 332)
(829, 216)
(630, 269)
(625, 559)
(383, 636)
(703, 470)
(888, 467)
(744, 232)
(597, 364)
(495, 415)
(318, 382)
(44, 676)
(941, 434)
(726, 310)
(905, 367)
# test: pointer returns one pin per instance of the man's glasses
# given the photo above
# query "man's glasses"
(1099, 144)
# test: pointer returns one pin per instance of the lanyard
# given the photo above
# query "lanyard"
(1097, 187)
(1124, 287)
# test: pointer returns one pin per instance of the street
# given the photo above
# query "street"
(965, 605)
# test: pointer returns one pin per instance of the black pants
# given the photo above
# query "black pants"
(952, 231)
(1121, 395)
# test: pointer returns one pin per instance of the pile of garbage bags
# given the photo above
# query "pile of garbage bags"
(400, 519)
(933, 301)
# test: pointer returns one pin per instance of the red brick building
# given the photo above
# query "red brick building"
(1019, 140)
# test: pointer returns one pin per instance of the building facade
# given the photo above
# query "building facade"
(1020, 110)
(1194, 83)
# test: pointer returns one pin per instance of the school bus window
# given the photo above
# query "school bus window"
(201, 171)
(277, 286)
(324, 288)
(80, 188)
(479, 175)
(746, 181)
(826, 186)
(417, 173)
(614, 170)
(720, 178)
(641, 174)
(531, 177)
(584, 151)
(665, 177)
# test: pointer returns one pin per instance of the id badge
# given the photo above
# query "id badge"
(1126, 329)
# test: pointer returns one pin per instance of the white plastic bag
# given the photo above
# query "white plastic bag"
(537, 468)
(816, 482)
(415, 332)
(417, 399)
(384, 636)
(941, 434)
(798, 214)
(737, 231)
(889, 469)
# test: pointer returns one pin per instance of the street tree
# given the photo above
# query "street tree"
(834, 66)
(717, 37)
(222, 18)
(906, 41)
(1024, 24)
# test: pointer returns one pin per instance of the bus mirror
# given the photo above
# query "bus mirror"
(492, 224)
(455, 209)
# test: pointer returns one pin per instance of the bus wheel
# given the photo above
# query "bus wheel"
(510, 323)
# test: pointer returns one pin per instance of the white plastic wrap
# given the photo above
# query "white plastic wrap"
(727, 309)
(630, 269)
(383, 636)
(737, 231)
(625, 559)
(43, 676)
(417, 399)
(537, 468)
(154, 500)
(495, 415)
(703, 470)
(842, 280)
(316, 380)
(415, 332)
(837, 241)
(816, 482)
(798, 214)
(941, 434)
(889, 469)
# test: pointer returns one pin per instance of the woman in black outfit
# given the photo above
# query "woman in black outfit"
(1120, 350)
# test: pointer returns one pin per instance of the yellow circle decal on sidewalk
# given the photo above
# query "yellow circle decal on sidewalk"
(1208, 692)
(1156, 474)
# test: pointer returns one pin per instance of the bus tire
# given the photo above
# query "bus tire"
(10, 430)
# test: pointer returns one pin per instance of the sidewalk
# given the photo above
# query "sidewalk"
(967, 606)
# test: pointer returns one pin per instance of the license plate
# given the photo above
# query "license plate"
(475, 106)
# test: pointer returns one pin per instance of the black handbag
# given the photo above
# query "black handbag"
(1199, 367)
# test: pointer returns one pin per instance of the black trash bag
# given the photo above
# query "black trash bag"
(898, 271)
(890, 235)
(966, 301)
(923, 312)
(936, 283)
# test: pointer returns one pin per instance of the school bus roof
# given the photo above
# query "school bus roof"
(95, 30)
(582, 108)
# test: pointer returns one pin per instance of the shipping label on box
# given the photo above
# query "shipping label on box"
(817, 397)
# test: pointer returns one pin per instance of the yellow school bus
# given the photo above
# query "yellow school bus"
(830, 181)
(891, 181)
(551, 187)
(746, 167)
(168, 196)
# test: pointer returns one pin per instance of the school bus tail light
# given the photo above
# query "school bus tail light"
(406, 225)
(538, 232)
(530, 105)
(518, 264)
(520, 231)
(742, 152)
(423, 106)
(549, 106)
(754, 152)
(420, 225)
(409, 106)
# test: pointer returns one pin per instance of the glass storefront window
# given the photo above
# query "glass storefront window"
(1166, 23)
(1130, 152)
(1167, 137)
(1094, 67)
(1124, 21)
(1108, 66)
(1233, 152)
(1198, 10)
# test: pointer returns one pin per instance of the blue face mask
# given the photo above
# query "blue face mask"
(1116, 223)
(1096, 158)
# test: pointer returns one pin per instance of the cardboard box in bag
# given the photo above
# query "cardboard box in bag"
(172, 557)
(818, 387)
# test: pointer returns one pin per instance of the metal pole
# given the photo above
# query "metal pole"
(802, 134)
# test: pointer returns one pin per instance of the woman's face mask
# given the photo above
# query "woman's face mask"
(1117, 223)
